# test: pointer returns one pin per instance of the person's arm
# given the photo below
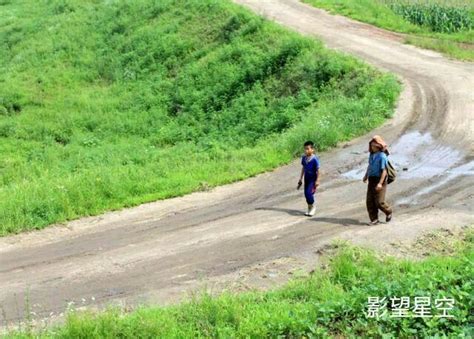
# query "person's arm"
(382, 179)
(366, 175)
(383, 175)
(318, 174)
(300, 182)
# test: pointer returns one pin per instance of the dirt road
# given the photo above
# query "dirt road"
(253, 232)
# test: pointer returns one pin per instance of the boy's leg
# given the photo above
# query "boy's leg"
(308, 192)
(309, 195)
(371, 202)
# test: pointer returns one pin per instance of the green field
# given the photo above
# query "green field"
(331, 302)
(446, 26)
(108, 104)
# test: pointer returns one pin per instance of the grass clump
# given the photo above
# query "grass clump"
(108, 104)
(331, 302)
(442, 25)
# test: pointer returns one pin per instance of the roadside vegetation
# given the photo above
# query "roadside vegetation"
(446, 26)
(331, 302)
(109, 104)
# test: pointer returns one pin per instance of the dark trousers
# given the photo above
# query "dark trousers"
(376, 200)
(309, 189)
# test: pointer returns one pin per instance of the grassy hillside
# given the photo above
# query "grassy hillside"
(446, 26)
(332, 302)
(106, 104)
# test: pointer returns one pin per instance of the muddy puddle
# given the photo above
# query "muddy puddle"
(417, 155)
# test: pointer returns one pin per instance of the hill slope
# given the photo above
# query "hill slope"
(111, 104)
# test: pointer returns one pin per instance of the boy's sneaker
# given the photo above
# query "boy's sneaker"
(311, 211)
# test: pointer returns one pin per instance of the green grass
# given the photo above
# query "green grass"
(330, 302)
(109, 104)
(441, 25)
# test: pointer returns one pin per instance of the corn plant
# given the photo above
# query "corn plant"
(439, 17)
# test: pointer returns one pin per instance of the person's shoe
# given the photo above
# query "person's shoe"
(312, 211)
(373, 223)
(309, 210)
(388, 217)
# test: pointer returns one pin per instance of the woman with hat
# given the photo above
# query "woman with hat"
(376, 175)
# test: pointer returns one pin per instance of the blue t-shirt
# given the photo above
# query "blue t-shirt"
(377, 163)
(311, 166)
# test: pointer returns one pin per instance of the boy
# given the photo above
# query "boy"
(310, 172)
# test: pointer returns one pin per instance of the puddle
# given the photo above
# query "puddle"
(465, 169)
(355, 174)
(416, 155)
(422, 157)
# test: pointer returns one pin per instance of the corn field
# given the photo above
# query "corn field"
(441, 17)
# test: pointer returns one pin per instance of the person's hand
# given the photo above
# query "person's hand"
(378, 188)
(364, 179)
(299, 185)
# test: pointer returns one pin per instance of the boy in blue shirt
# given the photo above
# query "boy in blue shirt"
(377, 176)
(310, 172)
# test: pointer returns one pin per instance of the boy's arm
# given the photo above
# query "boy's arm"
(300, 182)
(318, 173)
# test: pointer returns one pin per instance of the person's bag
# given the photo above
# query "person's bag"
(391, 173)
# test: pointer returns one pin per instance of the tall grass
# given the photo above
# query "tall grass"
(332, 302)
(107, 104)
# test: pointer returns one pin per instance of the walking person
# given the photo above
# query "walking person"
(310, 172)
(377, 177)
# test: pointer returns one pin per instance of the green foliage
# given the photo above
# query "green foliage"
(331, 302)
(441, 25)
(108, 104)
(438, 17)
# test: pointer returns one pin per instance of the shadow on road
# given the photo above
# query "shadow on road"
(340, 221)
(330, 220)
(286, 210)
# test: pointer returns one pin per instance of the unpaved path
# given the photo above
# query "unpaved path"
(254, 230)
